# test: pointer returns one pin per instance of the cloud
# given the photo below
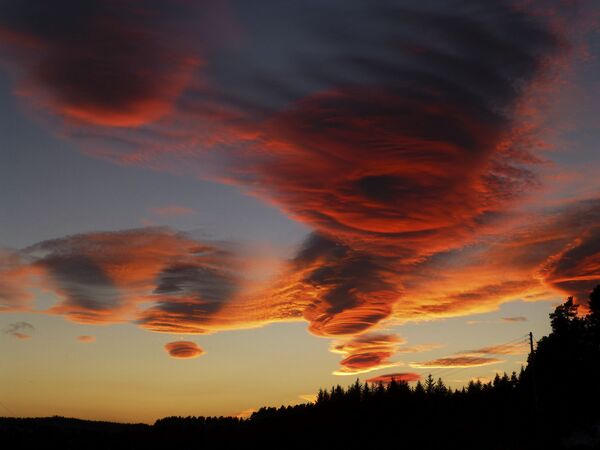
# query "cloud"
(20, 330)
(419, 348)
(398, 133)
(576, 268)
(103, 63)
(456, 361)
(16, 277)
(103, 277)
(518, 348)
(366, 353)
(183, 349)
(157, 278)
(515, 319)
(403, 376)
(187, 294)
(354, 290)
(162, 280)
(86, 339)
(172, 211)
(476, 357)
(370, 159)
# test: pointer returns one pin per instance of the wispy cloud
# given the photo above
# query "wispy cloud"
(519, 348)
(476, 357)
(462, 361)
(401, 376)
(515, 319)
(172, 211)
(20, 330)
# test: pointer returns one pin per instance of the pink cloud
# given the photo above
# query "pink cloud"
(172, 211)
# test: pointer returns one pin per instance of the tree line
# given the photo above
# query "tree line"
(553, 402)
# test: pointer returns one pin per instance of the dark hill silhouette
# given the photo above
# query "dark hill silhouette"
(553, 403)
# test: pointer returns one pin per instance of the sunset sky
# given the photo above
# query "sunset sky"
(210, 206)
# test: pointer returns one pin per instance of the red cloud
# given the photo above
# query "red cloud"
(396, 160)
(183, 349)
(386, 379)
(372, 168)
(110, 63)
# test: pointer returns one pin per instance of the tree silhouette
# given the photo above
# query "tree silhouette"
(500, 414)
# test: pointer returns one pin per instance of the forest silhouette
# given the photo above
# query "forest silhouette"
(553, 403)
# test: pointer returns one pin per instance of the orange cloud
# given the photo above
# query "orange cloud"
(518, 348)
(86, 339)
(105, 277)
(183, 349)
(477, 357)
(387, 379)
(366, 353)
(456, 361)
(159, 279)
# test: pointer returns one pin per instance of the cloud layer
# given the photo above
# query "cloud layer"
(400, 132)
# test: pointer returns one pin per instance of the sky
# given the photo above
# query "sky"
(211, 206)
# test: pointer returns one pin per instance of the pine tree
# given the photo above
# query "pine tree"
(429, 384)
